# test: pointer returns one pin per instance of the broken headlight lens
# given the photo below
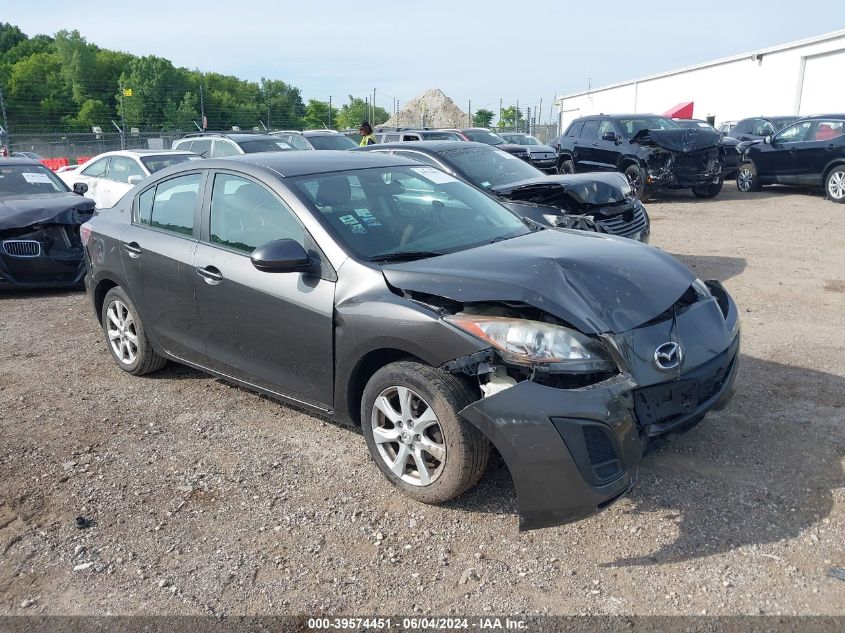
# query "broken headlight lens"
(529, 342)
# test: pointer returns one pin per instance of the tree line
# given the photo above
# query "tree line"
(62, 83)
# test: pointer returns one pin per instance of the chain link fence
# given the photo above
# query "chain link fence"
(74, 145)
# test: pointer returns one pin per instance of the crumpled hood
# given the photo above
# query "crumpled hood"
(586, 189)
(681, 140)
(594, 282)
(60, 208)
(539, 149)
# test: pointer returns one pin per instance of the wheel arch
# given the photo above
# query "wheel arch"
(101, 288)
(836, 162)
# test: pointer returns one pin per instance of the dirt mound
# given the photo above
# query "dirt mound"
(431, 109)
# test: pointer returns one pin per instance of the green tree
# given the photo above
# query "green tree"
(351, 114)
(482, 118)
(78, 60)
(283, 104)
(35, 92)
(93, 112)
(317, 115)
(10, 36)
(511, 118)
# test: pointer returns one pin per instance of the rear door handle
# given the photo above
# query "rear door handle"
(132, 249)
(210, 275)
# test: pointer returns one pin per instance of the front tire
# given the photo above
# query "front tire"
(636, 179)
(411, 423)
(747, 179)
(834, 184)
(566, 167)
(709, 190)
(126, 337)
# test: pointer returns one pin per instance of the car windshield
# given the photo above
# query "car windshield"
(28, 180)
(485, 167)
(483, 136)
(331, 141)
(157, 163)
(633, 125)
(440, 136)
(521, 139)
(405, 212)
(781, 122)
(264, 145)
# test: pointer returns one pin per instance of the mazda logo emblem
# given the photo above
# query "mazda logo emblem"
(668, 356)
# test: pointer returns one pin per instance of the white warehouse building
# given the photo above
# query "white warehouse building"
(803, 77)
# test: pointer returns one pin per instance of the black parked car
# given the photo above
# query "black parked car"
(652, 151)
(758, 128)
(483, 135)
(592, 202)
(315, 139)
(440, 323)
(40, 245)
(542, 156)
(808, 152)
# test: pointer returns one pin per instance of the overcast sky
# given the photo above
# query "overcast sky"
(471, 49)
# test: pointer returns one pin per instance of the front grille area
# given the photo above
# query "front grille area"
(697, 164)
(626, 224)
(22, 248)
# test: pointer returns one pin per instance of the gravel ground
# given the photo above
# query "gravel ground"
(205, 498)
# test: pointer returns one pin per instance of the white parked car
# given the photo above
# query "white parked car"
(112, 174)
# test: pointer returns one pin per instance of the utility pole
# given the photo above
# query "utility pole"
(540, 112)
(203, 120)
(367, 103)
(121, 129)
(330, 112)
(373, 118)
(500, 112)
(516, 119)
(5, 138)
(528, 120)
(469, 113)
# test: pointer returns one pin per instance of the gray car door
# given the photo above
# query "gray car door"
(157, 250)
(272, 330)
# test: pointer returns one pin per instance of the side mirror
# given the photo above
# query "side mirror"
(768, 140)
(281, 256)
(134, 180)
(608, 136)
(79, 188)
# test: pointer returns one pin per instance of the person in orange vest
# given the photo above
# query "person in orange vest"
(366, 132)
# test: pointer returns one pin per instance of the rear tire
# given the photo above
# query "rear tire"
(566, 167)
(834, 184)
(747, 179)
(411, 423)
(709, 190)
(126, 337)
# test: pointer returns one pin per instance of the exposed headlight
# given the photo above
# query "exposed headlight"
(527, 342)
(702, 289)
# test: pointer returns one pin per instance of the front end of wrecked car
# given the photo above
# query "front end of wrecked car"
(681, 158)
(590, 345)
(598, 202)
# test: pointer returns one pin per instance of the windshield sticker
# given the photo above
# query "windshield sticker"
(354, 225)
(506, 155)
(33, 178)
(434, 175)
(367, 217)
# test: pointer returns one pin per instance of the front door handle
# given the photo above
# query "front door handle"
(132, 249)
(830, 147)
(210, 275)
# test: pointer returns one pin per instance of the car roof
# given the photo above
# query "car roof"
(431, 146)
(29, 162)
(144, 152)
(289, 164)
(232, 136)
(816, 117)
(307, 133)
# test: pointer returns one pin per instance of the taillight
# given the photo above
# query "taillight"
(85, 233)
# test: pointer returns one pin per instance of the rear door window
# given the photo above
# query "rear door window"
(591, 130)
(173, 204)
(827, 130)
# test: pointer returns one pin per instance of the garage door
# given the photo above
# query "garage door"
(822, 88)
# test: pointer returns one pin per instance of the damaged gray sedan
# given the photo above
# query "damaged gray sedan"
(438, 320)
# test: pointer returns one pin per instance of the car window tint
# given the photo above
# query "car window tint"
(174, 204)
(245, 215)
(202, 147)
(97, 169)
(145, 206)
(827, 130)
(795, 133)
(223, 148)
(591, 130)
(122, 167)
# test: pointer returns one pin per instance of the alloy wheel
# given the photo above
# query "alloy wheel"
(636, 182)
(122, 333)
(836, 185)
(745, 179)
(408, 436)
